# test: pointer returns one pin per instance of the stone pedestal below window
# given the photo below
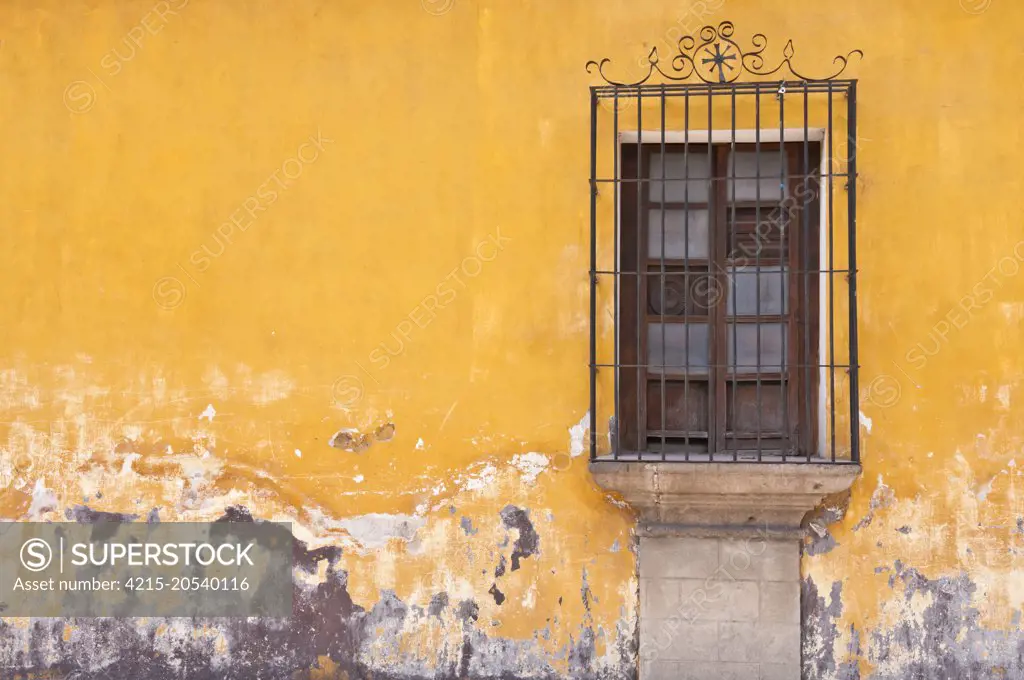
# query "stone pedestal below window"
(719, 562)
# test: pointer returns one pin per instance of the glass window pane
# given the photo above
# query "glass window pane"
(746, 287)
(685, 348)
(679, 229)
(742, 341)
(744, 165)
(675, 189)
(694, 293)
(756, 234)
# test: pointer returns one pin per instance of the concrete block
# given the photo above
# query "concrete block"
(780, 643)
(710, 600)
(659, 669)
(673, 640)
(772, 671)
(659, 598)
(715, 670)
(777, 643)
(673, 557)
(780, 602)
(759, 559)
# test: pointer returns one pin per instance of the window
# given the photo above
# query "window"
(723, 267)
(719, 298)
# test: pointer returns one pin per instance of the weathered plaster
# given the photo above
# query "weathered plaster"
(439, 129)
(387, 579)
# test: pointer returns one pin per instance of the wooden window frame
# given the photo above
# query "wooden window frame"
(800, 403)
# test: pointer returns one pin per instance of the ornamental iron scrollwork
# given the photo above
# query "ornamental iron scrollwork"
(715, 58)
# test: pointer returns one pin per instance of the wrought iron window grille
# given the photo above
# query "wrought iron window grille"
(723, 231)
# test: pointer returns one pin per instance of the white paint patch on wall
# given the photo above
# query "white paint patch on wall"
(1013, 312)
(261, 389)
(373, 531)
(478, 481)
(217, 383)
(986, 488)
(530, 465)
(866, 422)
(43, 499)
(1003, 395)
(270, 387)
(126, 467)
(16, 393)
(577, 435)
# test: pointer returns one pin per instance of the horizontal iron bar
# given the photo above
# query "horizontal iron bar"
(766, 269)
(699, 180)
(764, 87)
(702, 366)
(769, 456)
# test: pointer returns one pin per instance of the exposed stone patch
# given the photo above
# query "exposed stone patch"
(385, 432)
(819, 615)
(325, 623)
(83, 514)
(819, 545)
(819, 539)
(438, 604)
(350, 440)
(882, 497)
(528, 541)
(937, 635)
(468, 611)
(354, 441)
(499, 596)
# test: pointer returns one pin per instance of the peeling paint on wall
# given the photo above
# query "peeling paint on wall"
(403, 531)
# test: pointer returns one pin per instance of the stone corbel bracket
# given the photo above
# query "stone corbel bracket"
(723, 499)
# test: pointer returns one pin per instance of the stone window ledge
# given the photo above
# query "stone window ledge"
(723, 499)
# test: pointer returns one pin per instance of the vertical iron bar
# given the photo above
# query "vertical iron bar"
(641, 280)
(757, 254)
(712, 334)
(784, 271)
(686, 272)
(664, 196)
(730, 231)
(593, 273)
(616, 265)
(851, 179)
(831, 290)
(808, 311)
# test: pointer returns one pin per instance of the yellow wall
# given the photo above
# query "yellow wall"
(441, 223)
